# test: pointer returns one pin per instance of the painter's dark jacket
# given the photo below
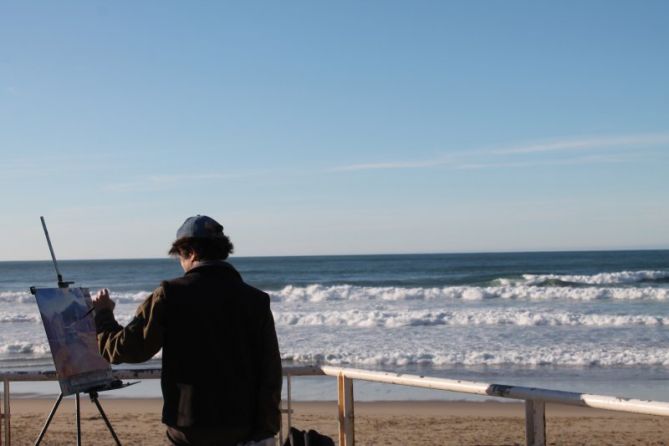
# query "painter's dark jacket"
(221, 364)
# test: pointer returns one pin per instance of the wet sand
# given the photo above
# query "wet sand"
(137, 422)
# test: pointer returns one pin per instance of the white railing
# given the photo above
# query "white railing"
(535, 398)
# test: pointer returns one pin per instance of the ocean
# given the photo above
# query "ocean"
(592, 322)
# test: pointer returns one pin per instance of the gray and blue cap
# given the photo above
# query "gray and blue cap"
(200, 226)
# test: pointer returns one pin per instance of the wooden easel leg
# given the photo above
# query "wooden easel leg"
(78, 420)
(94, 398)
(48, 420)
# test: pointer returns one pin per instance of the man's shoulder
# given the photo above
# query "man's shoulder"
(177, 281)
(170, 285)
(245, 290)
(255, 292)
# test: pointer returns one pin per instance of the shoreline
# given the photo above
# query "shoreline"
(137, 421)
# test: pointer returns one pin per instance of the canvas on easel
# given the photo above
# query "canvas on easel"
(70, 329)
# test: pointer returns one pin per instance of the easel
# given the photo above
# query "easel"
(92, 393)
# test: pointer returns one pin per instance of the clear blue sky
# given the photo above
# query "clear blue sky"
(334, 127)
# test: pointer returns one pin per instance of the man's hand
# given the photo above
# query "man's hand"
(101, 301)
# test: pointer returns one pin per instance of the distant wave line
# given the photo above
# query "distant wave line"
(467, 318)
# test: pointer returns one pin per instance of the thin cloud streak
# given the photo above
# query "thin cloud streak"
(394, 165)
(620, 142)
(594, 159)
(587, 143)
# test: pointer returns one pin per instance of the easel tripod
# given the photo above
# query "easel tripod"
(92, 393)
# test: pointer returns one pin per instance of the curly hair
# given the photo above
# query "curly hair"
(218, 248)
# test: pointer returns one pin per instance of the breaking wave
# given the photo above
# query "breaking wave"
(22, 297)
(322, 293)
(25, 348)
(17, 317)
(615, 278)
(417, 318)
(128, 298)
(527, 357)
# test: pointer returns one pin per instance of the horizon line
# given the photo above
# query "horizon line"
(538, 251)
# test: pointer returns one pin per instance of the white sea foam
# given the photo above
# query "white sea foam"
(132, 297)
(321, 293)
(497, 317)
(529, 288)
(520, 357)
(12, 297)
(24, 348)
(18, 317)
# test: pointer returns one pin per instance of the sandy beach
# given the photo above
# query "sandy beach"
(377, 423)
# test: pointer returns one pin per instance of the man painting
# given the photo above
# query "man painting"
(221, 368)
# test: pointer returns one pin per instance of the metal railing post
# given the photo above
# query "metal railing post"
(345, 407)
(7, 415)
(535, 423)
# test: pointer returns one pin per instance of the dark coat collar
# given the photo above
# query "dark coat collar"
(204, 265)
